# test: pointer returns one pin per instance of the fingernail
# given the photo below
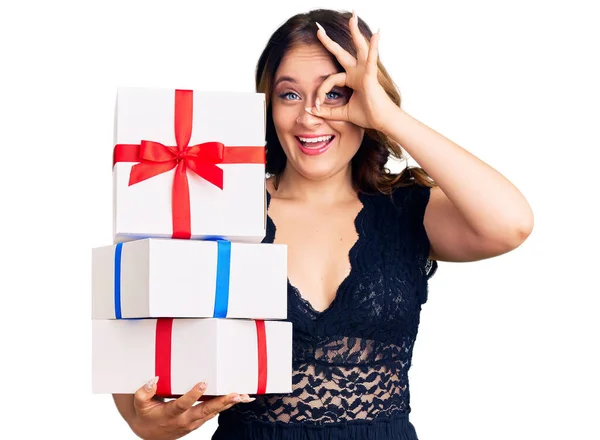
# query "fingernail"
(309, 110)
(237, 399)
(202, 386)
(249, 399)
(318, 104)
(320, 27)
(151, 383)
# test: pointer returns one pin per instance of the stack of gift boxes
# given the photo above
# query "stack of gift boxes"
(187, 291)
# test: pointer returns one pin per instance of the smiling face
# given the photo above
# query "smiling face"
(315, 148)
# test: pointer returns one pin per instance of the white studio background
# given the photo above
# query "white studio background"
(507, 347)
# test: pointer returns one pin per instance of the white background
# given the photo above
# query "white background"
(507, 347)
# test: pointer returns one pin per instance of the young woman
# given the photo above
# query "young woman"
(362, 242)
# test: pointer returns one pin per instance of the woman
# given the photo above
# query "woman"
(362, 242)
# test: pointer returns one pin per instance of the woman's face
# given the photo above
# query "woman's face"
(316, 148)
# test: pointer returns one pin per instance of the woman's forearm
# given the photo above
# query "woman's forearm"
(489, 203)
(124, 403)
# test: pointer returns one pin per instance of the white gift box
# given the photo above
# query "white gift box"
(236, 120)
(157, 277)
(228, 354)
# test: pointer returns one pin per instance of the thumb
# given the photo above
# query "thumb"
(144, 395)
(335, 113)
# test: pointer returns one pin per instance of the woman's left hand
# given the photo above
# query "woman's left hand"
(369, 101)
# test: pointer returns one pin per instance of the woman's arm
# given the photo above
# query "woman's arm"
(124, 403)
(475, 213)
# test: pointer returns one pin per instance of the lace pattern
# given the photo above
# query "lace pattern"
(341, 379)
(351, 361)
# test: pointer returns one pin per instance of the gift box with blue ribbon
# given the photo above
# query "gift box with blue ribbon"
(154, 278)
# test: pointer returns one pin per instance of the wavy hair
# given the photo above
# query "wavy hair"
(369, 171)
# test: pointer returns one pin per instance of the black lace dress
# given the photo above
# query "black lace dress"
(351, 361)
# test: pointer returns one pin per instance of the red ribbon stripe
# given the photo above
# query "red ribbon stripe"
(261, 342)
(162, 356)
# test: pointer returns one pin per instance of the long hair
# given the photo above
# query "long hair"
(369, 171)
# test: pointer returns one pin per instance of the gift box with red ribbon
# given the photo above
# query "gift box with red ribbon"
(157, 277)
(189, 164)
(230, 355)
(187, 291)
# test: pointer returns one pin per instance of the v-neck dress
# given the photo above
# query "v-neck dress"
(351, 360)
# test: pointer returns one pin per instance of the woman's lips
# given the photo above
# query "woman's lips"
(316, 148)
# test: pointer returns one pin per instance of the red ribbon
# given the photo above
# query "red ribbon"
(155, 158)
(261, 342)
(162, 356)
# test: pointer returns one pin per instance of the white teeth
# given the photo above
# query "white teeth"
(315, 140)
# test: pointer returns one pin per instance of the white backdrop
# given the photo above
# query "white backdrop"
(507, 347)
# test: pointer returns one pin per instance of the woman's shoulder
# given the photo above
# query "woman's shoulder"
(413, 197)
(406, 198)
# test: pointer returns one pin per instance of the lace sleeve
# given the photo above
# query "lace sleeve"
(418, 200)
(413, 201)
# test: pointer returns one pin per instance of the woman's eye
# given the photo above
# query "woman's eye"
(286, 95)
(333, 95)
(292, 96)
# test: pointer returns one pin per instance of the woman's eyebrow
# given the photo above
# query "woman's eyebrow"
(284, 78)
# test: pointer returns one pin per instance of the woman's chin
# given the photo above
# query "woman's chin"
(317, 171)
(313, 168)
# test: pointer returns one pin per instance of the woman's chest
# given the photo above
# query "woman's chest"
(354, 275)
(319, 243)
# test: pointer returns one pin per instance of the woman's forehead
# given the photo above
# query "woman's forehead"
(305, 64)
(301, 52)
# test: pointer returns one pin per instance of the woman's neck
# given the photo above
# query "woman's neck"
(335, 188)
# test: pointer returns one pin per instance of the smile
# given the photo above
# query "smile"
(314, 145)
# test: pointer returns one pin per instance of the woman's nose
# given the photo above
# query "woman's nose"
(308, 119)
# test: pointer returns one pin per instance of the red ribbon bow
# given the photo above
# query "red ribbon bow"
(156, 158)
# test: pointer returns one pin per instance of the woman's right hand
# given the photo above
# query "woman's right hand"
(158, 420)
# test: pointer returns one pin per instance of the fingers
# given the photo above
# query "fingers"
(185, 402)
(339, 112)
(371, 67)
(199, 415)
(346, 60)
(211, 408)
(333, 113)
(143, 396)
(337, 79)
(362, 47)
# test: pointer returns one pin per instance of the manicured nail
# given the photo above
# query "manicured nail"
(318, 104)
(237, 399)
(202, 386)
(320, 27)
(249, 399)
(309, 110)
(150, 385)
